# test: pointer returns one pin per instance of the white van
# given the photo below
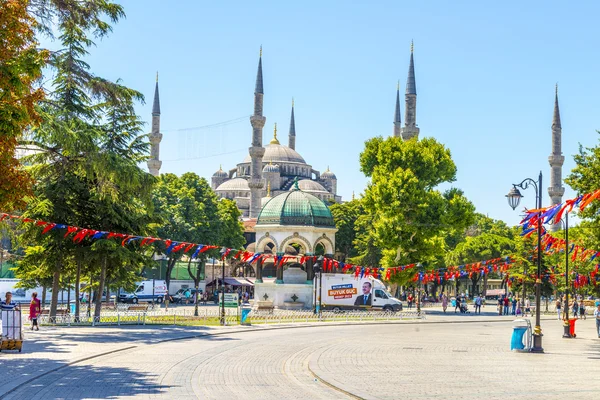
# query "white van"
(345, 292)
(145, 292)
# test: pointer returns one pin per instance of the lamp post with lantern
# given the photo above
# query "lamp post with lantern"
(514, 198)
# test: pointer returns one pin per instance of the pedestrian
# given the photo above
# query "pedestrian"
(444, 302)
(167, 298)
(597, 315)
(558, 307)
(500, 304)
(575, 308)
(187, 295)
(477, 305)
(410, 301)
(34, 311)
(457, 303)
(527, 307)
(514, 305)
(506, 302)
(518, 312)
(8, 304)
(581, 309)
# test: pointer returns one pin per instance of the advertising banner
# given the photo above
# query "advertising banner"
(346, 290)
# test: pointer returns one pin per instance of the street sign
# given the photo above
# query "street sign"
(231, 300)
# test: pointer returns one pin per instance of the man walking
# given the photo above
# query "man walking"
(478, 305)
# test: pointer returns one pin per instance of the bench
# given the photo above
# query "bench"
(108, 305)
(138, 307)
(265, 306)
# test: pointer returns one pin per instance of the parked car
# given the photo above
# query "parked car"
(179, 296)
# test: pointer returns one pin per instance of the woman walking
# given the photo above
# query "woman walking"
(581, 309)
(527, 307)
(575, 308)
(34, 311)
(444, 302)
(558, 307)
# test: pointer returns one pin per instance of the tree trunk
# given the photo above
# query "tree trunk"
(170, 266)
(55, 289)
(485, 279)
(43, 296)
(98, 302)
(77, 280)
(69, 294)
(196, 279)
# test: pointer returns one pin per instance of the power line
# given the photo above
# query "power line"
(218, 124)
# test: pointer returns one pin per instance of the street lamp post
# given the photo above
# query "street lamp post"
(514, 197)
(567, 331)
(223, 251)
(317, 268)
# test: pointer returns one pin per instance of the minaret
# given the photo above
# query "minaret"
(410, 129)
(556, 159)
(397, 124)
(292, 134)
(155, 136)
(257, 151)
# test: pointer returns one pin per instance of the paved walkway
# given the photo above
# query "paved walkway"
(438, 358)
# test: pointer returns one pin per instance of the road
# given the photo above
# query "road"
(468, 358)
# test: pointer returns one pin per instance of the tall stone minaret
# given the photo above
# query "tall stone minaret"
(257, 151)
(410, 129)
(292, 134)
(556, 159)
(397, 122)
(155, 136)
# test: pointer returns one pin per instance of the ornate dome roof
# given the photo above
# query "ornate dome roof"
(310, 186)
(271, 168)
(234, 184)
(220, 173)
(328, 174)
(296, 208)
(277, 153)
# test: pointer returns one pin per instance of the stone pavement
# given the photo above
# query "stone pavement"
(441, 357)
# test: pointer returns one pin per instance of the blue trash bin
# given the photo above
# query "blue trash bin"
(245, 312)
(72, 307)
(516, 342)
(453, 302)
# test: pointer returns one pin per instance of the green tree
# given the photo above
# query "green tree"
(188, 211)
(475, 249)
(86, 170)
(409, 216)
(346, 216)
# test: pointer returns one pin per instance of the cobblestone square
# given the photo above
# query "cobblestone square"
(445, 357)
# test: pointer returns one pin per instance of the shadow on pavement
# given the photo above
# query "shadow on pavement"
(30, 379)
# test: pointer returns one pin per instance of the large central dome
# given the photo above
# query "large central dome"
(275, 153)
(296, 208)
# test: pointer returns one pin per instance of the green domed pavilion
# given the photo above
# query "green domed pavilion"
(294, 218)
(296, 208)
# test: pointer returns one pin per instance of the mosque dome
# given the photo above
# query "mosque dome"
(307, 185)
(296, 208)
(278, 153)
(271, 168)
(235, 184)
(220, 174)
(328, 174)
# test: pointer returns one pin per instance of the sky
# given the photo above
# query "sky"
(485, 74)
